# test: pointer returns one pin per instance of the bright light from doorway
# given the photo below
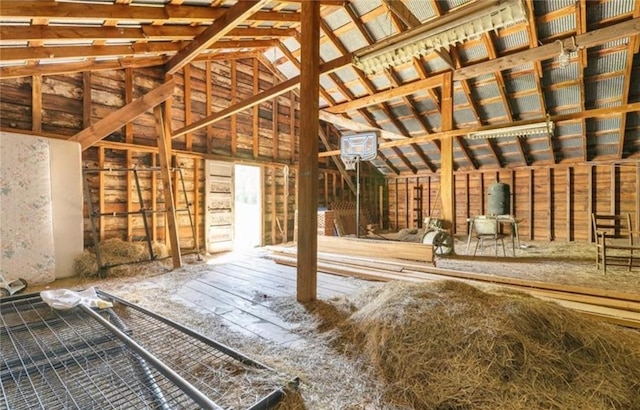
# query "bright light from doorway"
(248, 209)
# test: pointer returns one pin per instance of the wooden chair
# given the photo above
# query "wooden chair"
(487, 228)
(613, 233)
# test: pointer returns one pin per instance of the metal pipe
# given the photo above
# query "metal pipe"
(178, 380)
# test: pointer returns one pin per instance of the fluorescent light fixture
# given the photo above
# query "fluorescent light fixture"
(516, 131)
(456, 27)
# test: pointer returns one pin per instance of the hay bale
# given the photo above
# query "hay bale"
(448, 345)
(116, 253)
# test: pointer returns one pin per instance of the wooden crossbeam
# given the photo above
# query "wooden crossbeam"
(122, 116)
(221, 26)
(122, 12)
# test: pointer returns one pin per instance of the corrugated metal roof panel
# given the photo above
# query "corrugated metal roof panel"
(560, 75)
(477, 52)
(352, 40)
(435, 64)
(527, 104)
(407, 149)
(337, 19)
(568, 111)
(358, 90)
(569, 142)
(489, 90)
(446, 5)
(288, 69)
(425, 105)
(381, 27)
(362, 7)
(338, 97)
(568, 129)
(611, 149)
(602, 124)
(346, 74)
(422, 9)
(563, 96)
(539, 145)
(612, 44)
(434, 121)
(326, 82)
(520, 68)
(380, 82)
(633, 119)
(603, 11)
(513, 40)
(539, 156)
(557, 26)
(408, 74)
(413, 126)
(492, 110)
(519, 83)
(608, 138)
(606, 63)
(608, 104)
(547, 6)
(461, 117)
(606, 88)
(401, 110)
(459, 97)
(291, 43)
(328, 51)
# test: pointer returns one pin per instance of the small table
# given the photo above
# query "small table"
(509, 220)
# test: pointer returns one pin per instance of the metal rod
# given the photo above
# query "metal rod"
(156, 392)
(219, 346)
(144, 215)
(94, 233)
(178, 380)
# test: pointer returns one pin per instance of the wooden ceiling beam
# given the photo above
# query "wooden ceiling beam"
(633, 46)
(62, 34)
(122, 12)
(606, 112)
(221, 26)
(146, 49)
(465, 151)
(122, 116)
(427, 162)
(404, 159)
(395, 171)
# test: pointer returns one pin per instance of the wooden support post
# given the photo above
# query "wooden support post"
(101, 191)
(482, 195)
(164, 151)
(128, 98)
(446, 156)
(567, 191)
(274, 126)
(614, 184)
(466, 197)
(209, 102)
(234, 122)
(512, 199)
(407, 209)
(36, 103)
(292, 125)
(637, 227)
(86, 99)
(285, 174)
(154, 200)
(130, 198)
(274, 206)
(255, 144)
(531, 196)
(187, 104)
(307, 275)
(196, 201)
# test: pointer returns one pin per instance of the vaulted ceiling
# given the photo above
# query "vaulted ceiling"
(512, 75)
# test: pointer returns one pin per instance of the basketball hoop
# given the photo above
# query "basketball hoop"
(350, 162)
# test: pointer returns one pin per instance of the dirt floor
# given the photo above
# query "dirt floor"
(330, 379)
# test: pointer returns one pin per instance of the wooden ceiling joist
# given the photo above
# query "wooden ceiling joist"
(234, 16)
(129, 13)
(43, 53)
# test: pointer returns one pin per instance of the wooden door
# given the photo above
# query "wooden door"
(219, 206)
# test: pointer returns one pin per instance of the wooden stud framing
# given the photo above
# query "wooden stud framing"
(234, 121)
(569, 203)
(550, 213)
(255, 145)
(208, 103)
(187, 105)
(101, 192)
(531, 204)
(590, 201)
(447, 192)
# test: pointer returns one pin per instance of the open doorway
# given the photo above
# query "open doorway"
(248, 209)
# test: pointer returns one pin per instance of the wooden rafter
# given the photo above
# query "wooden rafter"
(404, 159)
(221, 26)
(465, 151)
(633, 47)
(423, 157)
(581, 27)
(358, 126)
(388, 163)
(122, 12)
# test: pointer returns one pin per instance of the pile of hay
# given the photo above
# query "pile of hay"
(448, 345)
(117, 253)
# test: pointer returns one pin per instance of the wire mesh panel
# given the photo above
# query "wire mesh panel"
(54, 359)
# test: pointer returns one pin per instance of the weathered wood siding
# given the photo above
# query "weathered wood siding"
(552, 203)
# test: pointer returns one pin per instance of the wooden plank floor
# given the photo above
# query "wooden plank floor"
(240, 291)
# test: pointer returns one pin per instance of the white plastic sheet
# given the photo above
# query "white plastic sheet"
(63, 299)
